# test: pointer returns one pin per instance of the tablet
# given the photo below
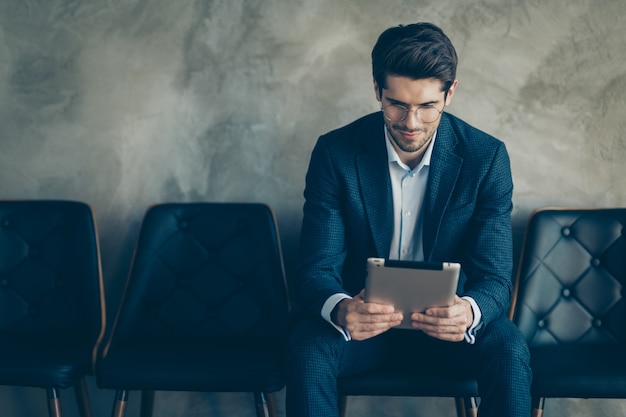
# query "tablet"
(411, 286)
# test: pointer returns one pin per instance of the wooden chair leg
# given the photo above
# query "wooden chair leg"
(121, 400)
(471, 406)
(271, 402)
(147, 403)
(82, 398)
(466, 407)
(460, 407)
(265, 404)
(54, 402)
(538, 404)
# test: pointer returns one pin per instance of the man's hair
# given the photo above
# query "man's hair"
(417, 51)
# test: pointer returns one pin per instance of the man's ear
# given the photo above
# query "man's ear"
(377, 91)
(450, 92)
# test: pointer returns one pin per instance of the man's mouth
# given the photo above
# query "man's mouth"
(410, 134)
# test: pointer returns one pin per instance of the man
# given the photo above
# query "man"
(413, 183)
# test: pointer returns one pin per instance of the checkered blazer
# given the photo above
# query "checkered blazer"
(348, 213)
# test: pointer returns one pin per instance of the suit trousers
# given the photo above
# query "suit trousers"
(318, 354)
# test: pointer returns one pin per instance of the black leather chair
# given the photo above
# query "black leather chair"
(570, 303)
(51, 298)
(204, 308)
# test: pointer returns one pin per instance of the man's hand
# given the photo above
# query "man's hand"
(445, 323)
(364, 320)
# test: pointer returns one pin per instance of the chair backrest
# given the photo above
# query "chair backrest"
(571, 283)
(50, 273)
(202, 272)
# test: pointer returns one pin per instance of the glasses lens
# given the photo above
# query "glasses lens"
(428, 114)
(395, 113)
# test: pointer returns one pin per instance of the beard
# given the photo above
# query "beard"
(410, 146)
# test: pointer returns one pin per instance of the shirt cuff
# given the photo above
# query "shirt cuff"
(470, 333)
(328, 307)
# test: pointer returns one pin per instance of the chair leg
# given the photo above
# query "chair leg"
(343, 403)
(471, 406)
(466, 407)
(265, 404)
(147, 403)
(538, 404)
(121, 400)
(54, 402)
(82, 398)
(460, 407)
(271, 403)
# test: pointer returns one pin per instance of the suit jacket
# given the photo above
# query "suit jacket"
(348, 213)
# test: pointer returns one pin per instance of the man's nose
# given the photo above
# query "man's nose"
(412, 119)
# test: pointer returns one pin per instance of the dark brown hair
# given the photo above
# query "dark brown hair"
(417, 51)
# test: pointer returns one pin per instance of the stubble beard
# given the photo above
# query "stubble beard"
(409, 147)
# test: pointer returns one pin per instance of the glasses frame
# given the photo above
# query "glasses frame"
(408, 110)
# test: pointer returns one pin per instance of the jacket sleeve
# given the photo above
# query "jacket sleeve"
(487, 246)
(322, 248)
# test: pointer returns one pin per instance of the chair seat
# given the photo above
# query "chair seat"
(403, 384)
(192, 368)
(43, 366)
(579, 371)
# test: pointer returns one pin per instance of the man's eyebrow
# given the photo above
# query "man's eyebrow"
(402, 103)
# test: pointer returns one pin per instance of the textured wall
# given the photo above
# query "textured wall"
(124, 103)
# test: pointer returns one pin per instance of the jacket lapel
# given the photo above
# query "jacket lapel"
(373, 175)
(445, 166)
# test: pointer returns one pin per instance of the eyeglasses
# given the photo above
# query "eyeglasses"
(397, 113)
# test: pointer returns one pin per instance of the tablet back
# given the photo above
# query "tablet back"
(411, 286)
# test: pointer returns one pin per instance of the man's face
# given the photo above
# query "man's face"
(411, 136)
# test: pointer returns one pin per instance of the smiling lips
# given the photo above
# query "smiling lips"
(410, 135)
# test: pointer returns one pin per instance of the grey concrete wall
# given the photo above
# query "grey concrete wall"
(125, 103)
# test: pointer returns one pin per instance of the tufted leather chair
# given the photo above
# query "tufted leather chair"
(51, 298)
(570, 303)
(204, 308)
